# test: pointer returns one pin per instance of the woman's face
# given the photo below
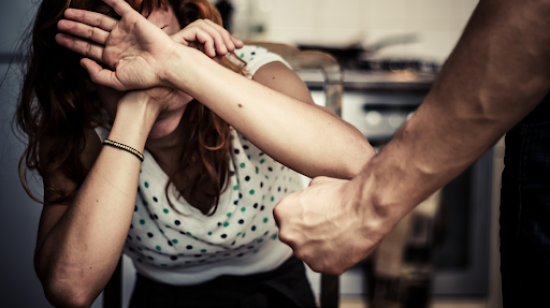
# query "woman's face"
(167, 120)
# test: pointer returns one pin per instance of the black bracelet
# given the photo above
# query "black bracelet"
(124, 147)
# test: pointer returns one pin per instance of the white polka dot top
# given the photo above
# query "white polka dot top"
(240, 238)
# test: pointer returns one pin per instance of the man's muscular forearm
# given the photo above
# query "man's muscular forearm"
(497, 73)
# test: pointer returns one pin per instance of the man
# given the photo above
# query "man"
(498, 72)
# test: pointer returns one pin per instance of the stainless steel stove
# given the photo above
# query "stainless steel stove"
(378, 101)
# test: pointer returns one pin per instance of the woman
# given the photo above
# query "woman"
(200, 229)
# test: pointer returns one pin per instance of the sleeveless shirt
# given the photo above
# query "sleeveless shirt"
(239, 238)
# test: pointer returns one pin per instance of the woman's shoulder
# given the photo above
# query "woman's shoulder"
(256, 57)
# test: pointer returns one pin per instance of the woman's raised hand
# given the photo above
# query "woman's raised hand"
(136, 49)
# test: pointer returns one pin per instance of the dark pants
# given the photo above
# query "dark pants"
(286, 286)
(525, 212)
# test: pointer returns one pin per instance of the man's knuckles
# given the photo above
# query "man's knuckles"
(291, 238)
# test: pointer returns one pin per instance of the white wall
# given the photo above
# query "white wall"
(437, 23)
(19, 215)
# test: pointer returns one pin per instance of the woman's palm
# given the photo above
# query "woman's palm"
(135, 50)
(133, 47)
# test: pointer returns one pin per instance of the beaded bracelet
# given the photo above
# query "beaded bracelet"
(124, 147)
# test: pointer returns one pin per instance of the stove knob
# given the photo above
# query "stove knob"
(373, 118)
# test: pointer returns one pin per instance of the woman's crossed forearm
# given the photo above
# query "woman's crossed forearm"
(79, 244)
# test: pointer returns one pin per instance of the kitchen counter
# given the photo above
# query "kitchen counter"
(373, 80)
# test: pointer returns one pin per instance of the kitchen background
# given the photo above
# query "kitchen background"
(437, 24)
(423, 30)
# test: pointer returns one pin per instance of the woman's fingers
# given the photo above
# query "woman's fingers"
(222, 34)
(101, 75)
(238, 43)
(216, 40)
(91, 18)
(208, 36)
(84, 31)
(230, 42)
(208, 44)
(121, 7)
(198, 38)
(80, 46)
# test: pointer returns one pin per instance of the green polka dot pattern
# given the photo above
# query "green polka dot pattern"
(180, 236)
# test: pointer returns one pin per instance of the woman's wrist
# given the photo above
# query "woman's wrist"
(140, 104)
(134, 119)
(178, 70)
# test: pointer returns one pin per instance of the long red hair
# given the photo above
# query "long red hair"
(58, 103)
